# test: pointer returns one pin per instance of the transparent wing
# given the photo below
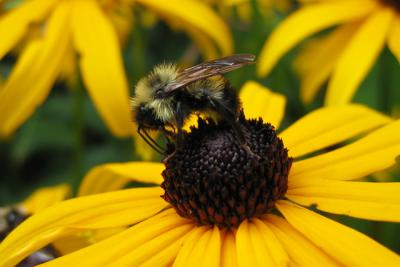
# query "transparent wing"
(210, 68)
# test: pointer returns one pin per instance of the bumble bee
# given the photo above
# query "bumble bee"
(167, 97)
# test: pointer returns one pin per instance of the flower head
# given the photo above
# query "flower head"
(229, 205)
(345, 55)
(89, 31)
(214, 180)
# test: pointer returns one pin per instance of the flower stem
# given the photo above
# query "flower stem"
(78, 118)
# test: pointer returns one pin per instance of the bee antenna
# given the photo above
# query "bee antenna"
(150, 141)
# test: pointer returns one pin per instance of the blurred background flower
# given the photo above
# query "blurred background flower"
(346, 55)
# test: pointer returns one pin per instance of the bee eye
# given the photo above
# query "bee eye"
(159, 93)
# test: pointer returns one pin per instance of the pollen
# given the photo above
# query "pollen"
(216, 180)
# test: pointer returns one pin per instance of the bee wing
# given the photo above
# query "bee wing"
(209, 69)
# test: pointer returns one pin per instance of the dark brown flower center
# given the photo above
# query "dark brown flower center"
(216, 180)
(393, 3)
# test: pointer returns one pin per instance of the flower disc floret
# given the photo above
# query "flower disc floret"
(216, 180)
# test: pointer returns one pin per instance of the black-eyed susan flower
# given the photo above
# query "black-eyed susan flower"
(224, 206)
(346, 55)
(88, 29)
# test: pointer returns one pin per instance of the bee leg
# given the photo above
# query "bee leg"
(150, 141)
(230, 117)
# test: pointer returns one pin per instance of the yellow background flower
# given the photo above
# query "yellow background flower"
(346, 55)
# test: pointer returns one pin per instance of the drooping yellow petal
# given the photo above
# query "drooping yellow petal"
(207, 250)
(342, 243)
(318, 58)
(259, 101)
(228, 253)
(187, 249)
(277, 252)
(305, 22)
(30, 81)
(394, 37)
(106, 252)
(375, 152)
(244, 247)
(328, 126)
(204, 19)
(371, 201)
(101, 65)
(212, 253)
(250, 246)
(73, 243)
(168, 254)
(358, 57)
(152, 251)
(69, 217)
(114, 176)
(301, 251)
(14, 24)
(45, 197)
(204, 43)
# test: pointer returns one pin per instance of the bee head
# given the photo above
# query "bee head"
(145, 117)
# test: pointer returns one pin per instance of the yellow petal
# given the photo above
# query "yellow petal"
(301, 251)
(307, 21)
(206, 251)
(342, 243)
(101, 64)
(277, 252)
(371, 201)
(244, 248)
(76, 215)
(394, 37)
(212, 253)
(228, 253)
(154, 250)
(259, 101)
(45, 197)
(73, 243)
(358, 57)
(36, 71)
(204, 43)
(204, 19)
(328, 126)
(114, 176)
(250, 246)
(106, 252)
(187, 249)
(168, 254)
(14, 24)
(375, 152)
(318, 58)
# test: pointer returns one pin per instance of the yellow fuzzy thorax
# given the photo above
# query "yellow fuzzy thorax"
(160, 76)
(214, 85)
